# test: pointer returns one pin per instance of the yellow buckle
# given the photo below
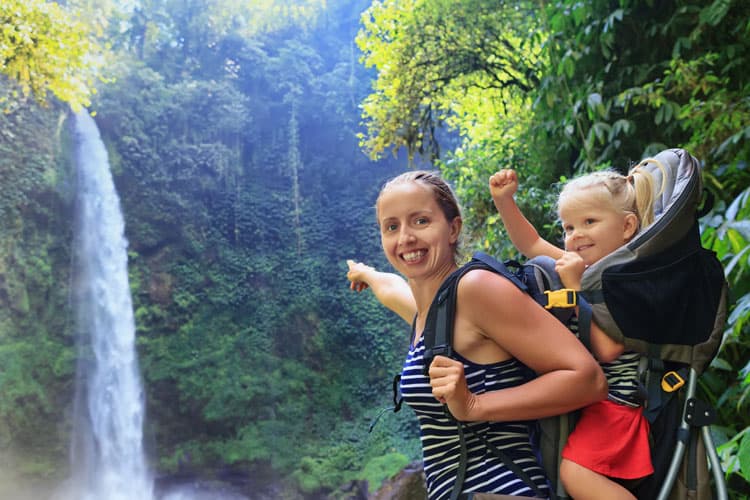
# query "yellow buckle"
(671, 381)
(565, 297)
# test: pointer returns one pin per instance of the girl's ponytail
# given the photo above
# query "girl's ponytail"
(643, 187)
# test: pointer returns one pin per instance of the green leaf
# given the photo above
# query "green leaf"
(659, 118)
(715, 13)
(743, 454)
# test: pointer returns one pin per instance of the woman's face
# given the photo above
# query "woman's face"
(416, 237)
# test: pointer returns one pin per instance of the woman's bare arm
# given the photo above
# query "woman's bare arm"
(568, 376)
(390, 289)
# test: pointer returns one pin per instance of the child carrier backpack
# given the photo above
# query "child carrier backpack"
(665, 296)
(662, 295)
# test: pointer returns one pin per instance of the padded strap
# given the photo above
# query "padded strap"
(652, 374)
(584, 322)
(592, 296)
(438, 330)
(500, 268)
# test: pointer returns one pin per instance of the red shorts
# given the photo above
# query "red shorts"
(611, 439)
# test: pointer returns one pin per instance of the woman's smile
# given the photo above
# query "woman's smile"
(413, 256)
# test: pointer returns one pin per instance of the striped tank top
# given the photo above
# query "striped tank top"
(485, 472)
(622, 377)
(621, 374)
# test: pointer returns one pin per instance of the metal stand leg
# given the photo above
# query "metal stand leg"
(683, 433)
(713, 458)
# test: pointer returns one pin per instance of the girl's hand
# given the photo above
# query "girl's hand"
(570, 267)
(503, 184)
(449, 386)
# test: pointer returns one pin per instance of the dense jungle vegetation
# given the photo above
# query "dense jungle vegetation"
(248, 142)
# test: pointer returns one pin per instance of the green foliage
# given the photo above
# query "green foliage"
(37, 357)
(360, 454)
(249, 349)
(29, 170)
(383, 467)
(315, 474)
(704, 90)
(233, 142)
(727, 232)
(427, 53)
(45, 48)
(246, 342)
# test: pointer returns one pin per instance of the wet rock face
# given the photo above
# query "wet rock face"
(409, 484)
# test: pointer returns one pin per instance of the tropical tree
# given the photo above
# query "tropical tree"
(47, 49)
(427, 53)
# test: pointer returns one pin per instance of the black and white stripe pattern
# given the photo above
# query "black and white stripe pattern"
(485, 472)
(621, 374)
(622, 377)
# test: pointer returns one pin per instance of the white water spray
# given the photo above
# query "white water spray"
(107, 453)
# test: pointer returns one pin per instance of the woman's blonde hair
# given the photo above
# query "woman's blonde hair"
(632, 193)
(439, 188)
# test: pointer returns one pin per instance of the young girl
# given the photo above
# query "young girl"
(499, 332)
(599, 212)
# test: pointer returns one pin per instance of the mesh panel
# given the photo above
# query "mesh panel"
(669, 298)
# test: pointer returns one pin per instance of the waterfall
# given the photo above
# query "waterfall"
(107, 456)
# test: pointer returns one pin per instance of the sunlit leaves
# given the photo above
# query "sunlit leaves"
(427, 53)
(46, 49)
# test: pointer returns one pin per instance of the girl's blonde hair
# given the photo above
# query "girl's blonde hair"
(632, 193)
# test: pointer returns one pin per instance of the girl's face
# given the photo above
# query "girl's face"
(593, 231)
(416, 237)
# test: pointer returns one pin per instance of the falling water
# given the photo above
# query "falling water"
(107, 454)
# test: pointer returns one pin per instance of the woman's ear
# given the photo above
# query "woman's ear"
(455, 229)
(630, 226)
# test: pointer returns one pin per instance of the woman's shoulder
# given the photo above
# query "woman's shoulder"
(482, 286)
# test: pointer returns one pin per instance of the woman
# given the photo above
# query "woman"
(499, 332)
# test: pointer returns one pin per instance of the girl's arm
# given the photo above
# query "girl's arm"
(522, 233)
(570, 267)
(390, 289)
(605, 348)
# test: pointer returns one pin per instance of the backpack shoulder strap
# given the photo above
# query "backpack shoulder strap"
(438, 330)
(500, 268)
(550, 282)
